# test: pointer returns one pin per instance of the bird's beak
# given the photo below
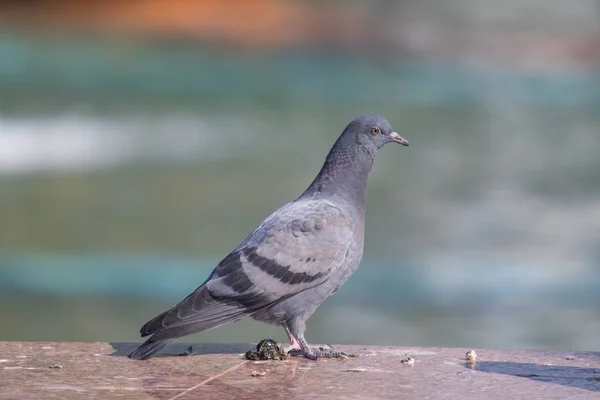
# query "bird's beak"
(398, 139)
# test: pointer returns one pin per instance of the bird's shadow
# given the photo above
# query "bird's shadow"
(579, 377)
(186, 349)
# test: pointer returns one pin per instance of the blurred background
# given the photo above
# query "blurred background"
(141, 140)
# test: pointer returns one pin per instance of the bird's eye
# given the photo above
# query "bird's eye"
(374, 130)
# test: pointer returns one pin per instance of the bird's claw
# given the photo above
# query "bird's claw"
(314, 354)
(291, 350)
(334, 354)
(323, 353)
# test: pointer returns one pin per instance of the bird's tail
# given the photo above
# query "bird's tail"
(149, 348)
(198, 312)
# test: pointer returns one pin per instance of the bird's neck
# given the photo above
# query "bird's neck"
(344, 175)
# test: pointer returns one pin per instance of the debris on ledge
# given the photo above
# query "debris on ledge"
(29, 370)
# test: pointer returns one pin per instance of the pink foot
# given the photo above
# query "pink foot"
(293, 346)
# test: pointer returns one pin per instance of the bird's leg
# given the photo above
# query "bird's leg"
(296, 328)
(293, 346)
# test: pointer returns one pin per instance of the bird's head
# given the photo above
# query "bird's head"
(373, 131)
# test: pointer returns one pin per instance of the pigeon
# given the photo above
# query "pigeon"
(296, 258)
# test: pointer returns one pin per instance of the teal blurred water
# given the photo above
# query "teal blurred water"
(101, 297)
(127, 171)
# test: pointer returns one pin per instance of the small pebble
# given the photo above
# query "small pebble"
(408, 360)
(258, 373)
(354, 370)
(471, 356)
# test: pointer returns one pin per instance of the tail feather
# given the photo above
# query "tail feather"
(149, 348)
(197, 313)
(162, 338)
(200, 309)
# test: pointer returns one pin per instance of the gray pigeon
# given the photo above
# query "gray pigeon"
(300, 255)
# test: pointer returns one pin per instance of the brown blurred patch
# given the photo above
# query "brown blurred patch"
(250, 22)
(382, 34)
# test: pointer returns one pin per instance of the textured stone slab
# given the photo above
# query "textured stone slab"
(213, 371)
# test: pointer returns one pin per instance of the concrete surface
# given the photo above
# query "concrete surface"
(213, 371)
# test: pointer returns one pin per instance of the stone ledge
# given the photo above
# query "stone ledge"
(218, 371)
